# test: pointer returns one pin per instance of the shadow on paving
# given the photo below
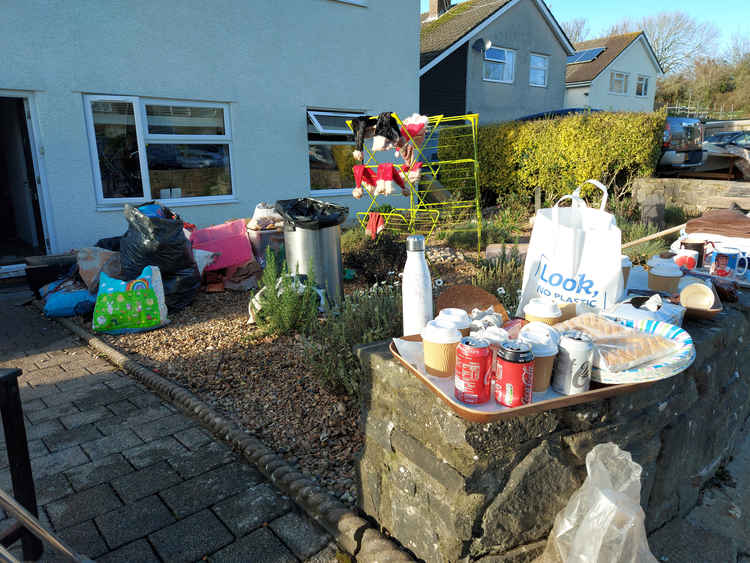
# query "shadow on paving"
(122, 476)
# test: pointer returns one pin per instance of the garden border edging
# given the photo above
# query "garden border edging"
(352, 532)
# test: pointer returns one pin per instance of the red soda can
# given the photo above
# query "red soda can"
(514, 374)
(473, 379)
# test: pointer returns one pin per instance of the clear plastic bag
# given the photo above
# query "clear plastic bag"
(603, 521)
(617, 347)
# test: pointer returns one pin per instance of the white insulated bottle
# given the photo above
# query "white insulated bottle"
(416, 287)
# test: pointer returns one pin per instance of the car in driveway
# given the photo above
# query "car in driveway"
(682, 143)
(715, 154)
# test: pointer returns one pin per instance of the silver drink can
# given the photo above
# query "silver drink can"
(572, 372)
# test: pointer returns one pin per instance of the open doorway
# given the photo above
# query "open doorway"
(21, 230)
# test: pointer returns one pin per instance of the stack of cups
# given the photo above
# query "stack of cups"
(456, 317)
(542, 310)
(440, 340)
(544, 341)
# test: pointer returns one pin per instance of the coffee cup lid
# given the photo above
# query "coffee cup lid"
(459, 317)
(667, 270)
(544, 339)
(540, 307)
(441, 332)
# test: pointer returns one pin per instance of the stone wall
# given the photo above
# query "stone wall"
(652, 194)
(452, 490)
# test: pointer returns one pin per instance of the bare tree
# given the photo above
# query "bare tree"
(739, 48)
(577, 30)
(676, 37)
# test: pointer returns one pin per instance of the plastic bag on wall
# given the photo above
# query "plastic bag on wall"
(603, 521)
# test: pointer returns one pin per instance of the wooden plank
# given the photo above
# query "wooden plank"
(475, 415)
(655, 236)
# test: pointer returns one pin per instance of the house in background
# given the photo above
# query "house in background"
(501, 59)
(210, 108)
(616, 73)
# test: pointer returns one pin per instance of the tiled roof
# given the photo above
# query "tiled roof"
(614, 45)
(437, 35)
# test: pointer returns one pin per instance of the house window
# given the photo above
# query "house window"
(538, 66)
(159, 149)
(618, 83)
(330, 145)
(641, 86)
(499, 65)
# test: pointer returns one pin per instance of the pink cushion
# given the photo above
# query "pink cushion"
(229, 239)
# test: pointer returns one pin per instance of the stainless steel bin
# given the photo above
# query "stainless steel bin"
(312, 241)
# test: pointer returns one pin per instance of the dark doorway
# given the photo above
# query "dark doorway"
(21, 231)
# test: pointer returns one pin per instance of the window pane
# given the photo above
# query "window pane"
(185, 120)
(494, 54)
(117, 148)
(331, 166)
(185, 170)
(508, 71)
(334, 123)
(537, 77)
(538, 61)
(494, 71)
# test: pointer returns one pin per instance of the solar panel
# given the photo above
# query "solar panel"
(585, 56)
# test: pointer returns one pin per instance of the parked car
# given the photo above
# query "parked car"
(741, 138)
(682, 143)
(715, 155)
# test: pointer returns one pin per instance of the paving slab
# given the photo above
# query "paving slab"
(71, 437)
(145, 482)
(301, 534)
(122, 408)
(167, 425)
(212, 455)
(58, 462)
(114, 443)
(36, 449)
(153, 452)
(252, 508)
(63, 397)
(51, 487)
(83, 538)
(51, 412)
(134, 521)
(211, 487)
(138, 551)
(260, 547)
(98, 471)
(86, 417)
(36, 431)
(191, 538)
(193, 438)
(82, 506)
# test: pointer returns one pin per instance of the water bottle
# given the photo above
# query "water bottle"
(417, 287)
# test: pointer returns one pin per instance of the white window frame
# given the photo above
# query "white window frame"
(486, 59)
(645, 79)
(545, 68)
(328, 192)
(143, 138)
(362, 3)
(625, 78)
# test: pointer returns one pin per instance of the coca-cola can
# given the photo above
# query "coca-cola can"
(514, 374)
(473, 375)
(572, 372)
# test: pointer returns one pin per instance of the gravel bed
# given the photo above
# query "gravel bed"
(260, 382)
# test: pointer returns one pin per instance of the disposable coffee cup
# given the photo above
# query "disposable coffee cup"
(568, 310)
(544, 341)
(440, 340)
(458, 318)
(543, 311)
(626, 265)
(665, 278)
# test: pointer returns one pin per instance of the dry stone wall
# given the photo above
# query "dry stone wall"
(452, 490)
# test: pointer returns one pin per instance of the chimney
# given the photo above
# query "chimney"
(438, 8)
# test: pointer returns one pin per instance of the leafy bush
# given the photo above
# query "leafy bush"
(502, 276)
(288, 305)
(640, 253)
(365, 317)
(561, 153)
(375, 259)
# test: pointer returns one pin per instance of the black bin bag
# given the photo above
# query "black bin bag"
(181, 287)
(154, 241)
(313, 214)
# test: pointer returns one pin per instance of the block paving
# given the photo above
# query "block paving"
(122, 476)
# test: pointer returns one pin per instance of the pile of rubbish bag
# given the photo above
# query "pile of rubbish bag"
(130, 283)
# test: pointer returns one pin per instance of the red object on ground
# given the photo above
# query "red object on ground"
(375, 224)
(514, 374)
(228, 239)
(473, 377)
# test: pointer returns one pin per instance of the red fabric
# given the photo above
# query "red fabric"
(375, 224)
(412, 129)
(228, 239)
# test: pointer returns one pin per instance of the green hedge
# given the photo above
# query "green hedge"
(559, 154)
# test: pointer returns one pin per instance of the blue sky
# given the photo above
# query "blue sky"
(725, 14)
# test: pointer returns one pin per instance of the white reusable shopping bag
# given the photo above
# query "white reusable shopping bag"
(574, 255)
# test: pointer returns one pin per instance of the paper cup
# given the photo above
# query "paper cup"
(543, 372)
(458, 318)
(568, 311)
(440, 359)
(543, 311)
(667, 284)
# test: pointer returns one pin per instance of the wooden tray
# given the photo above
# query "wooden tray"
(491, 412)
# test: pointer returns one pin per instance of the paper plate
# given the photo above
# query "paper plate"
(677, 362)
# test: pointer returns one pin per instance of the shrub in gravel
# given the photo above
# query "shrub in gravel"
(502, 276)
(288, 304)
(365, 317)
(373, 260)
